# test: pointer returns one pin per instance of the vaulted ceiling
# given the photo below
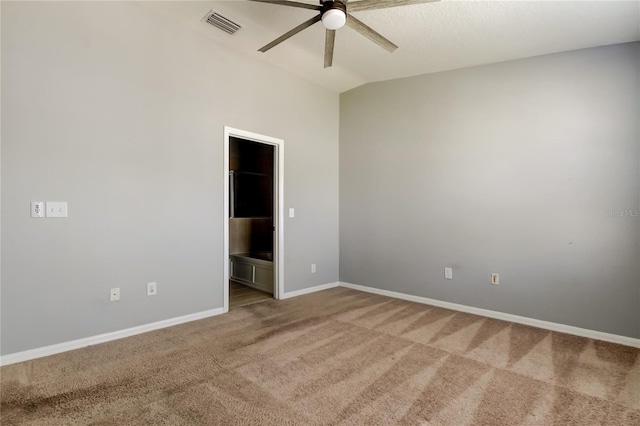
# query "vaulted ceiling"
(431, 37)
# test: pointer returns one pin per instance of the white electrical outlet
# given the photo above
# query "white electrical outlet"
(448, 273)
(152, 289)
(495, 279)
(313, 268)
(37, 209)
(114, 294)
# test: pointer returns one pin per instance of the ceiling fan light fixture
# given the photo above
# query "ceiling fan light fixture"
(334, 19)
(334, 15)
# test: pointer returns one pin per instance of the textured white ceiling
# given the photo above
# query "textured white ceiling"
(431, 37)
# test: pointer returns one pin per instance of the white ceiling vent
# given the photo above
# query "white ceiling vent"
(220, 22)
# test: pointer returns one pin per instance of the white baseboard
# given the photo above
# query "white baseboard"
(102, 338)
(290, 294)
(107, 337)
(577, 331)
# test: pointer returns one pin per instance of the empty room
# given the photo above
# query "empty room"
(362, 212)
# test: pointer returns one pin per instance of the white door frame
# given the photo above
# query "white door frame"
(278, 211)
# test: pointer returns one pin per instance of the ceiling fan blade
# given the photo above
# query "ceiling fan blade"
(382, 4)
(290, 3)
(370, 33)
(328, 48)
(293, 32)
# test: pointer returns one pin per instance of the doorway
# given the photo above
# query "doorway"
(253, 219)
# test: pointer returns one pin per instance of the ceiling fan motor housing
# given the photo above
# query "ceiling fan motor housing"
(334, 14)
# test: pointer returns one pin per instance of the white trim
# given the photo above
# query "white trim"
(107, 337)
(278, 249)
(102, 338)
(297, 293)
(547, 325)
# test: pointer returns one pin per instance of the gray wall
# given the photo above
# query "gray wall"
(507, 168)
(121, 113)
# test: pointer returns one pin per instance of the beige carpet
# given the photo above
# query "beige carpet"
(335, 357)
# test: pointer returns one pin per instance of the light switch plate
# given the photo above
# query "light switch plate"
(57, 209)
(114, 294)
(292, 212)
(152, 289)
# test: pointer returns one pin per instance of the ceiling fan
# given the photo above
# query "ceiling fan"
(334, 14)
